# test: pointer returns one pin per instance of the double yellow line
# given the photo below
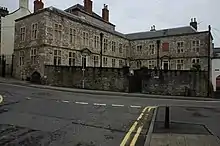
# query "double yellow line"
(133, 127)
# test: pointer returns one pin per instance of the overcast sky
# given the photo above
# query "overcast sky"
(140, 15)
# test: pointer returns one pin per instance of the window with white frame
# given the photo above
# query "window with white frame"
(34, 30)
(85, 38)
(96, 61)
(179, 64)
(195, 45)
(72, 35)
(58, 31)
(121, 63)
(120, 48)
(21, 58)
(113, 46)
(105, 45)
(33, 55)
(57, 57)
(180, 47)
(151, 64)
(113, 62)
(105, 61)
(96, 42)
(23, 33)
(152, 49)
(139, 48)
(72, 58)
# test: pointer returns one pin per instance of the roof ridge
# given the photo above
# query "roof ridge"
(159, 30)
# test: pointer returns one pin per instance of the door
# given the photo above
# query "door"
(165, 65)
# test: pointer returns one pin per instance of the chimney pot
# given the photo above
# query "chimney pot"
(194, 23)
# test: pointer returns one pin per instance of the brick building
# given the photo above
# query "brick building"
(78, 36)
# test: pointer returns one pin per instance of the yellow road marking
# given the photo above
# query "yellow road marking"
(1, 99)
(127, 136)
(133, 142)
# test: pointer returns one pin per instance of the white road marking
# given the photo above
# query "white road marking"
(81, 103)
(135, 106)
(66, 101)
(102, 104)
(117, 105)
(1, 99)
(28, 98)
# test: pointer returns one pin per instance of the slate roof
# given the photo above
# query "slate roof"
(161, 33)
(132, 36)
(77, 18)
(81, 8)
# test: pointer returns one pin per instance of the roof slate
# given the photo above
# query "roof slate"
(161, 33)
(81, 8)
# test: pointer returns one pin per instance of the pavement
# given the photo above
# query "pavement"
(188, 126)
(50, 117)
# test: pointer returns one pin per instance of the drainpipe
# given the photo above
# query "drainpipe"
(101, 42)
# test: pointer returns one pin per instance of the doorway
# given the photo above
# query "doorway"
(165, 65)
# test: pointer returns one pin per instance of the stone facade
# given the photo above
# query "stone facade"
(182, 83)
(186, 54)
(111, 79)
(55, 37)
(178, 83)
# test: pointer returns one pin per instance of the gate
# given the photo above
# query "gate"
(135, 84)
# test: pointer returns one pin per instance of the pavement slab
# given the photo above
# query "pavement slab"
(183, 140)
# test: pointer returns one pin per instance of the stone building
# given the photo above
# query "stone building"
(77, 36)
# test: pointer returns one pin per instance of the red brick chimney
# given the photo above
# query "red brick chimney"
(88, 6)
(105, 13)
(38, 4)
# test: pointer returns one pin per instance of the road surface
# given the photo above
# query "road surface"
(33, 116)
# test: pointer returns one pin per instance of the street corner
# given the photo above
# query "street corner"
(136, 135)
(1, 99)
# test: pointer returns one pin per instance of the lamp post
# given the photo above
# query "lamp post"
(84, 53)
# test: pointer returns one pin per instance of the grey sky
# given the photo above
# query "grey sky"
(132, 16)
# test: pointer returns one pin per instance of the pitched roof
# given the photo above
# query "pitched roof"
(161, 33)
(77, 18)
(81, 8)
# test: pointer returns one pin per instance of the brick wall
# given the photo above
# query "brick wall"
(95, 78)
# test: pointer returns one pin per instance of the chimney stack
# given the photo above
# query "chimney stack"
(105, 13)
(88, 6)
(3, 11)
(24, 4)
(38, 4)
(194, 23)
(153, 28)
